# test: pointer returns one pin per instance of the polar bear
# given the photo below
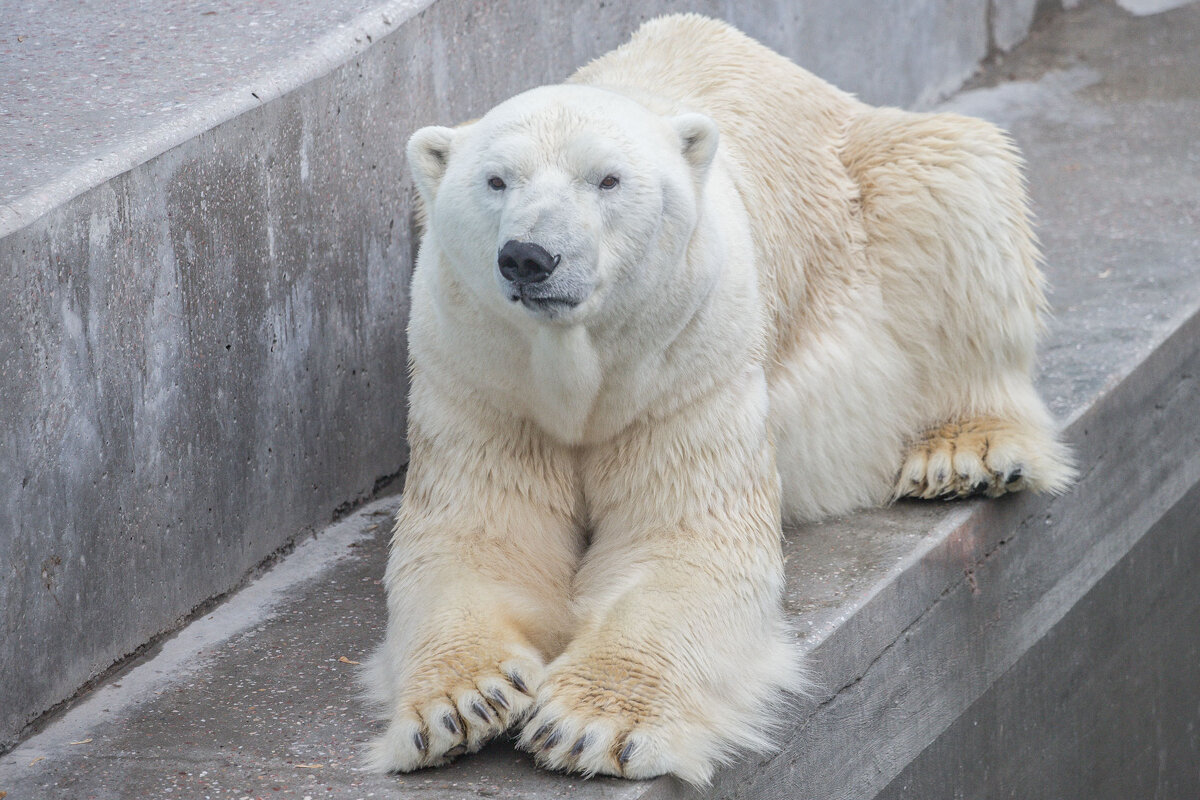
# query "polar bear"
(691, 293)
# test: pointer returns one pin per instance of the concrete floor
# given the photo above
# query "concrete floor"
(96, 88)
(257, 699)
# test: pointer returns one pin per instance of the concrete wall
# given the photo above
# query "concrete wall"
(1104, 706)
(203, 358)
(199, 360)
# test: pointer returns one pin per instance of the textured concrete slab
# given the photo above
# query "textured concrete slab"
(1116, 684)
(204, 257)
(91, 89)
(258, 699)
(1011, 22)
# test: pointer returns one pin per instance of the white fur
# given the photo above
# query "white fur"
(777, 286)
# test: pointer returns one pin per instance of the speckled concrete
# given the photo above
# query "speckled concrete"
(916, 617)
(90, 89)
(258, 699)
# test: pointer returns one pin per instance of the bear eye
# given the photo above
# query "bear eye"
(496, 183)
(609, 182)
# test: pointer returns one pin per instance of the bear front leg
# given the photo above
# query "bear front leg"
(681, 647)
(484, 547)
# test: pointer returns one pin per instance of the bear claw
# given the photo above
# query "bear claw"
(540, 732)
(497, 697)
(581, 743)
(480, 710)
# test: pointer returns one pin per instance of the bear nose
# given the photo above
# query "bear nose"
(525, 262)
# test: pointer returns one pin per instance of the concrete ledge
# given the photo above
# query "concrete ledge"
(204, 255)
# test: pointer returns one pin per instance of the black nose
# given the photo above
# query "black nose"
(525, 262)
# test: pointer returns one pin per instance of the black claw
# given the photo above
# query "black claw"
(579, 745)
(940, 477)
(497, 697)
(540, 732)
(552, 740)
(481, 711)
(450, 723)
(1014, 476)
(420, 741)
(979, 488)
(626, 753)
(516, 681)
(456, 751)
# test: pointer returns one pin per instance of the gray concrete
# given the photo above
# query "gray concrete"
(93, 89)
(204, 255)
(986, 649)
(1010, 22)
(255, 700)
(1115, 685)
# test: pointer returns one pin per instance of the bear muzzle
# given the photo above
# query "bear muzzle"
(530, 275)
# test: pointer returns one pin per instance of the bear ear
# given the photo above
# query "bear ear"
(428, 155)
(698, 137)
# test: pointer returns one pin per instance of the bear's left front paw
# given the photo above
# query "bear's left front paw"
(610, 719)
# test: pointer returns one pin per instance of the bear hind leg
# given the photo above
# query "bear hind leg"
(983, 455)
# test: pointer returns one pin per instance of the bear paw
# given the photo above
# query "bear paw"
(585, 723)
(983, 456)
(454, 706)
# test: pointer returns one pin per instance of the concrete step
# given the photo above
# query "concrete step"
(1017, 648)
(205, 244)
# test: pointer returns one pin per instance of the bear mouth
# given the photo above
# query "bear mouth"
(549, 305)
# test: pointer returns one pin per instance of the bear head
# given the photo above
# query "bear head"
(564, 201)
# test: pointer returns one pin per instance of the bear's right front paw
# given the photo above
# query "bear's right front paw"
(455, 711)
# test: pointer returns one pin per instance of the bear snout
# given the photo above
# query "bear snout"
(524, 263)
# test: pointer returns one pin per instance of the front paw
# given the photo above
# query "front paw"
(456, 700)
(614, 717)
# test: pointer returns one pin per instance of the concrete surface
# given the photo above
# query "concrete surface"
(90, 90)
(983, 649)
(204, 257)
(1116, 687)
